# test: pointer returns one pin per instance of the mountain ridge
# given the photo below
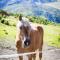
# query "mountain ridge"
(34, 7)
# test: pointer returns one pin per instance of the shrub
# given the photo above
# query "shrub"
(40, 20)
(0, 17)
(6, 23)
(59, 38)
(2, 21)
(14, 25)
(6, 33)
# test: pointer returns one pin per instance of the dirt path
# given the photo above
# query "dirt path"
(49, 53)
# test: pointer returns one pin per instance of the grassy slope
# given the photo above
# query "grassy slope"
(51, 34)
(7, 31)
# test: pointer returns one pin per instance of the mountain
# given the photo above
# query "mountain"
(47, 8)
(4, 3)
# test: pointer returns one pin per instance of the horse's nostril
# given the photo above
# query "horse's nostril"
(27, 42)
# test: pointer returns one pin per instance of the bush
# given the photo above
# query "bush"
(40, 20)
(6, 33)
(2, 21)
(6, 23)
(0, 17)
(14, 25)
(59, 38)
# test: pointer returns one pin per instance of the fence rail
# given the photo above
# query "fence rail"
(16, 55)
(23, 54)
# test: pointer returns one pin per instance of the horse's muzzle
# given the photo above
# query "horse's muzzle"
(27, 42)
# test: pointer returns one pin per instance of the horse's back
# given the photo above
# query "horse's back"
(37, 38)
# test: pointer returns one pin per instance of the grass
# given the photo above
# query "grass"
(51, 33)
(7, 31)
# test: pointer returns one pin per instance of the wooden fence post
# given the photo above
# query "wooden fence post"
(37, 55)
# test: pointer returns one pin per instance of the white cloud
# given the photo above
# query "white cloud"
(11, 1)
(38, 3)
(58, 0)
(55, 5)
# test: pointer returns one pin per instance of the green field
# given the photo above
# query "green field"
(51, 32)
(52, 35)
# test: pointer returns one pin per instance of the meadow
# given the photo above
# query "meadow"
(8, 30)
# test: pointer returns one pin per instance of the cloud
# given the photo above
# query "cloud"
(11, 2)
(55, 5)
(38, 3)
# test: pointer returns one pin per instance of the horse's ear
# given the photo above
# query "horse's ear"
(20, 17)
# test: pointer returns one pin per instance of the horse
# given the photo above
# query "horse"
(28, 39)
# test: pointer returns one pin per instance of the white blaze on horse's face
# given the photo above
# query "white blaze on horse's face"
(23, 41)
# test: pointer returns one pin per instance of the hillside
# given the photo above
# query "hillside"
(8, 32)
(47, 8)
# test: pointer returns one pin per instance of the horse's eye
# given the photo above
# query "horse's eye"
(20, 27)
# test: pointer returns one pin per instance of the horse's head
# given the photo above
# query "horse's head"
(25, 32)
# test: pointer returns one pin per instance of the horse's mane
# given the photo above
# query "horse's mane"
(24, 22)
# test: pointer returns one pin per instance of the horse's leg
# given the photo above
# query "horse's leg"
(40, 54)
(30, 57)
(34, 56)
(20, 58)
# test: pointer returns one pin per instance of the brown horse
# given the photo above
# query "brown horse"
(29, 39)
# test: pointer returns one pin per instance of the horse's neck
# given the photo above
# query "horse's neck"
(33, 27)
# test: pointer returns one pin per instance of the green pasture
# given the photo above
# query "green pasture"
(52, 35)
(51, 32)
